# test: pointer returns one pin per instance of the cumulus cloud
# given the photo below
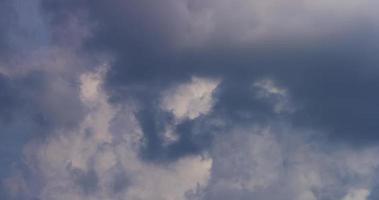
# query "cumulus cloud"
(89, 163)
(190, 100)
(313, 49)
(263, 163)
(197, 100)
(357, 194)
(39, 87)
(98, 161)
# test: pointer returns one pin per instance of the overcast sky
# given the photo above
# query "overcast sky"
(189, 99)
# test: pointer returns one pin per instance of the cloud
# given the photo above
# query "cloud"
(316, 50)
(196, 99)
(39, 92)
(4, 25)
(90, 163)
(190, 100)
(269, 91)
(277, 163)
(101, 159)
(199, 23)
(359, 194)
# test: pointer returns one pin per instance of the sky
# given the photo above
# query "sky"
(189, 100)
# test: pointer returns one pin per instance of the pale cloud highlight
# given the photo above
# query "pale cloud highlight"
(90, 163)
(190, 100)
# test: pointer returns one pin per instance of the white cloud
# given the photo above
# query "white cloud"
(190, 100)
(100, 159)
(266, 163)
(95, 163)
(357, 194)
(187, 101)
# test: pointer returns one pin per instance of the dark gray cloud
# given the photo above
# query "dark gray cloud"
(37, 95)
(7, 15)
(332, 76)
(191, 73)
(87, 181)
(27, 115)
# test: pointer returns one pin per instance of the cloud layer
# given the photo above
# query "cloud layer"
(189, 99)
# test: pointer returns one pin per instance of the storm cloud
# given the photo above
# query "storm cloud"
(189, 99)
